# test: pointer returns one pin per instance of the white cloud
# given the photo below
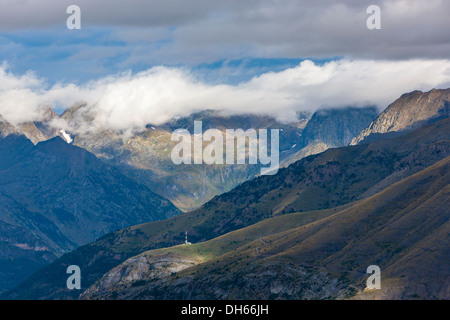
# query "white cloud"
(130, 101)
(22, 95)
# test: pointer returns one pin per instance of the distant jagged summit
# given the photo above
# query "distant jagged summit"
(7, 128)
(337, 127)
(410, 111)
(36, 131)
(331, 128)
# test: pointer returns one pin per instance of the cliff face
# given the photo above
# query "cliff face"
(331, 128)
(410, 111)
(337, 127)
(7, 128)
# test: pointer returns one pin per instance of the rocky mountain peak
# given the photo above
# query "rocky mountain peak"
(410, 111)
(6, 128)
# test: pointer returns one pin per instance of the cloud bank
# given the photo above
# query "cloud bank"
(130, 101)
(117, 35)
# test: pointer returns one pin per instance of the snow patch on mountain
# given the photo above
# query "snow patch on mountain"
(66, 136)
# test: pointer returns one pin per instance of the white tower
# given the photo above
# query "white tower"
(185, 239)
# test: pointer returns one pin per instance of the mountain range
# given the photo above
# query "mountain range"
(403, 229)
(316, 225)
(307, 232)
(145, 156)
(55, 197)
(410, 111)
(52, 187)
(322, 255)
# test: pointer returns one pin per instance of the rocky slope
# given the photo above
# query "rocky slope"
(331, 128)
(410, 111)
(7, 128)
(35, 131)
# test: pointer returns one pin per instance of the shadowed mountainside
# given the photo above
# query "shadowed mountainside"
(404, 230)
(55, 197)
(333, 178)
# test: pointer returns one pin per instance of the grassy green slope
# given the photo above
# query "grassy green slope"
(404, 229)
(213, 249)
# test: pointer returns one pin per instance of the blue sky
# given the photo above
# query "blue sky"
(144, 61)
(227, 41)
(61, 55)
